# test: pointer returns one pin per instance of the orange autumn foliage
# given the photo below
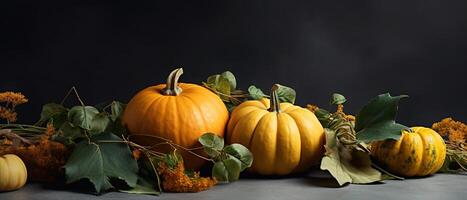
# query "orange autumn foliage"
(44, 158)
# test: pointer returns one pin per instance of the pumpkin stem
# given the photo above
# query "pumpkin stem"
(274, 101)
(171, 87)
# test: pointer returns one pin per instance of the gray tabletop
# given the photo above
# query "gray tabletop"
(315, 186)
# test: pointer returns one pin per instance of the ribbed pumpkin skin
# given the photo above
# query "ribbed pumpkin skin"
(182, 118)
(419, 153)
(281, 142)
(13, 173)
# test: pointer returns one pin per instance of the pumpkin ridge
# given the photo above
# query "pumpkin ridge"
(441, 155)
(264, 122)
(427, 152)
(234, 119)
(23, 167)
(290, 109)
(416, 139)
(213, 100)
(178, 131)
(143, 126)
(239, 123)
(301, 152)
(421, 169)
(12, 173)
(25, 178)
(265, 102)
(6, 170)
(311, 143)
(162, 127)
(393, 154)
(256, 127)
(199, 111)
(253, 103)
(290, 140)
(230, 130)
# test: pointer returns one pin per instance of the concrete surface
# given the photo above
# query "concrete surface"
(313, 187)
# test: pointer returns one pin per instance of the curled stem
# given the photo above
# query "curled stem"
(171, 87)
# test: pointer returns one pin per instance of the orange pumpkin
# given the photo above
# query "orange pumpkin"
(180, 112)
(283, 138)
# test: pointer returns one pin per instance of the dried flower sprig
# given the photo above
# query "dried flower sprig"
(10, 101)
(455, 134)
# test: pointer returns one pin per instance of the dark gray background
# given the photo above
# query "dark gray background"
(110, 50)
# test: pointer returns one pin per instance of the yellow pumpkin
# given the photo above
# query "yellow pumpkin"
(283, 138)
(13, 173)
(418, 152)
(180, 112)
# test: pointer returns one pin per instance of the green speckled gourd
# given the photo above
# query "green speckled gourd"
(420, 152)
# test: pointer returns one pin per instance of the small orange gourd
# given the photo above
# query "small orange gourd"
(282, 137)
(419, 152)
(180, 112)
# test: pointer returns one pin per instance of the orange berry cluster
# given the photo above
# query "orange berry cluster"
(175, 180)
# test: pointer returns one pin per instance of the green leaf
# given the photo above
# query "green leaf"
(230, 106)
(69, 132)
(227, 170)
(117, 109)
(323, 117)
(241, 153)
(381, 131)
(219, 84)
(376, 120)
(231, 78)
(255, 93)
(172, 159)
(82, 116)
(99, 123)
(212, 141)
(55, 112)
(212, 144)
(286, 94)
(347, 164)
(99, 161)
(337, 99)
(143, 186)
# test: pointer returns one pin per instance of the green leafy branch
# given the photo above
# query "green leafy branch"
(85, 129)
(225, 86)
(228, 161)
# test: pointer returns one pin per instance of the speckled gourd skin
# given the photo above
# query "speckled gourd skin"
(418, 153)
